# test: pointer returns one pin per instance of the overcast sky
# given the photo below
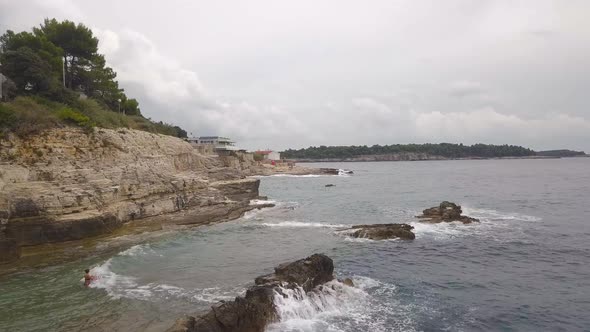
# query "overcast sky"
(279, 74)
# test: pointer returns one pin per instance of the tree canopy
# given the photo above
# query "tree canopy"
(447, 150)
(58, 61)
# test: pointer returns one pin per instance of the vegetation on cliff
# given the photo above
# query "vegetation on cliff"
(446, 150)
(55, 76)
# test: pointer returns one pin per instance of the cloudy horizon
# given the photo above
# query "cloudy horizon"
(289, 75)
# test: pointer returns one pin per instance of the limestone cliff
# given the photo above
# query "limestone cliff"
(66, 184)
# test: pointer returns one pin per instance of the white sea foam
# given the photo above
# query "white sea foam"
(138, 250)
(295, 224)
(337, 307)
(115, 285)
(118, 286)
(490, 214)
(297, 176)
(261, 201)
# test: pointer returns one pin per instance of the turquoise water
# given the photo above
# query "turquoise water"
(523, 268)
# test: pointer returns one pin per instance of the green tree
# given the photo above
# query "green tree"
(77, 42)
(29, 72)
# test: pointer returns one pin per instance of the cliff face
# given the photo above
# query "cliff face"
(66, 184)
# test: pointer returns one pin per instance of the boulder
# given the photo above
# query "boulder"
(253, 311)
(382, 231)
(445, 212)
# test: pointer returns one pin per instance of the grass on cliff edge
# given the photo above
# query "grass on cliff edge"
(30, 115)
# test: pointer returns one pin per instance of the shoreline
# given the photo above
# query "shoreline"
(132, 233)
(336, 160)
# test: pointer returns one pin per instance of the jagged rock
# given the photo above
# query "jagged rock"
(255, 310)
(65, 184)
(445, 212)
(381, 231)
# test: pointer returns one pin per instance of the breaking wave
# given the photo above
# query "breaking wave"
(296, 224)
(122, 286)
(337, 307)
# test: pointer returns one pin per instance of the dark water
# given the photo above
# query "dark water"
(525, 267)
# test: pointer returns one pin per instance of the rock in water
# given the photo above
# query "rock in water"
(382, 231)
(330, 185)
(445, 212)
(255, 310)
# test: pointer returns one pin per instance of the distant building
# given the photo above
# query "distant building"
(218, 142)
(269, 155)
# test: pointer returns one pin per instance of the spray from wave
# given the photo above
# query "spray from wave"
(337, 307)
(297, 224)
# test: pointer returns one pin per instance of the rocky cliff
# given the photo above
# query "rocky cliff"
(67, 184)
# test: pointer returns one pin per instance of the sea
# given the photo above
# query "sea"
(524, 267)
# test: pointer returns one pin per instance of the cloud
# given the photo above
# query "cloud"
(277, 76)
(465, 89)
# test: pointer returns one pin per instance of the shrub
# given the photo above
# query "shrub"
(68, 115)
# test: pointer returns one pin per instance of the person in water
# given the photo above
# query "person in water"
(88, 278)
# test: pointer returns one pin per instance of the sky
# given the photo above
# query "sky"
(292, 74)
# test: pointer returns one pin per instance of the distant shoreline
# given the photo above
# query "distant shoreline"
(433, 158)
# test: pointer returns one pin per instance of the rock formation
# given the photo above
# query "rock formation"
(253, 311)
(66, 184)
(445, 212)
(381, 231)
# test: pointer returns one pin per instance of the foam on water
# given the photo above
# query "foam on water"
(296, 224)
(497, 225)
(261, 201)
(139, 250)
(122, 286)
(297, 176)
(490, 214)
(337, 307)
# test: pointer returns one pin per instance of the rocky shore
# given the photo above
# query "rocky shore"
(66, 184)
(253, 311)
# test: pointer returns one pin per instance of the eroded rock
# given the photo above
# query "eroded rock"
(445, 212)
(382, 231)
(253, 311)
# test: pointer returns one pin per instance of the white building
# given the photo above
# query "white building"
(218, 142)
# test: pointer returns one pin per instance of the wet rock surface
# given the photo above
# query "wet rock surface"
(253, 311)
(445, 212)
(381, 231)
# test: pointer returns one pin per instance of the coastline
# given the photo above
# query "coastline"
(64, 191)
(430, 158)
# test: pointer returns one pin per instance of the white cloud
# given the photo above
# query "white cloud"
(391, 71)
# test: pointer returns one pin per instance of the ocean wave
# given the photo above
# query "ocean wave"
(261, 201)
(497, 215)
(336, 307)
(121, 286)
(296, 224)
(296, 176)
(139, 250)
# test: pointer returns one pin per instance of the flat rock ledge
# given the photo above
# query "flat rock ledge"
(445, 212)
(253, 311)
(381, 231)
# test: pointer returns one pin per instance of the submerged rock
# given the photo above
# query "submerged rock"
(445, 212)
(382, 231)
(253, 311)
(330, 185)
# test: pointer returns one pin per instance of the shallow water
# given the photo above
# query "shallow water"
(525, 267)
